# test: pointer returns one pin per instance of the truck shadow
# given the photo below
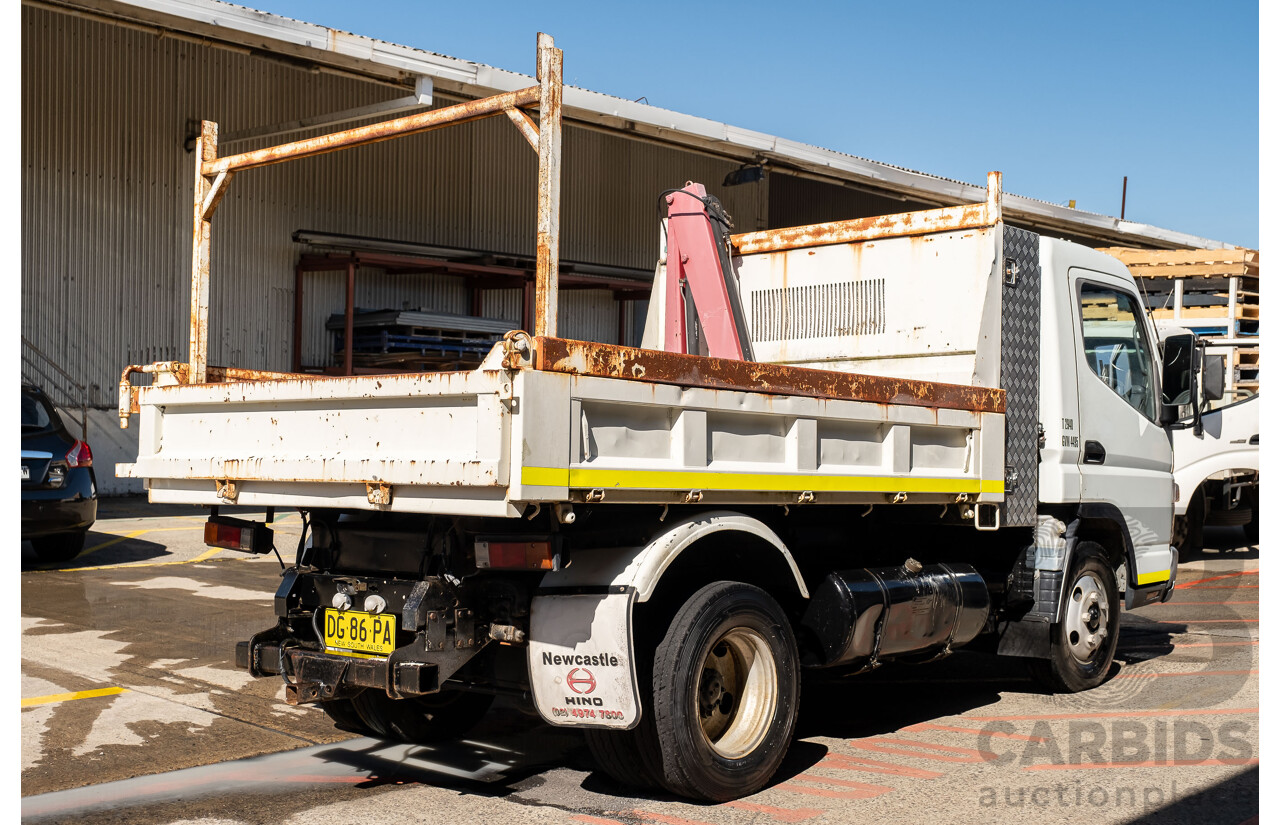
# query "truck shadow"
(1222, 543)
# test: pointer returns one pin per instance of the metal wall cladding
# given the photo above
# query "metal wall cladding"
(107, 182)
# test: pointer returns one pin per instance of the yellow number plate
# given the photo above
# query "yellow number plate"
(352, 633)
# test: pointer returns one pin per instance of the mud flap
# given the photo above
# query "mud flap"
(581, 664)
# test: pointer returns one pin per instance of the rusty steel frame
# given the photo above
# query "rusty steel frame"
(656, 366)
(213, 175)
(551, 80)
(946, 219)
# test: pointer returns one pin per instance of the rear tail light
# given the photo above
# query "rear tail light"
(540, 554)
(238, 534)
(80, 455)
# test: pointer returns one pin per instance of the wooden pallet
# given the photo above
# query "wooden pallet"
(1206, 289)
(1187, 263)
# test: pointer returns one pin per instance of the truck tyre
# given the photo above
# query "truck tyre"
(344, 716)
(1083, 644)
(631, 757)
(1251, 529)
(59, 546)
(431, 718)
(726, 688)
(1188, 530)
(634, 757)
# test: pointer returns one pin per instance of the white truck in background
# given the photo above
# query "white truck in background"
(910, 433)
(1216, 463)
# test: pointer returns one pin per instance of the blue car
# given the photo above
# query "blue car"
(59, 491)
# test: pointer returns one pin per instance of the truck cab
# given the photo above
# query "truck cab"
(1106, 452)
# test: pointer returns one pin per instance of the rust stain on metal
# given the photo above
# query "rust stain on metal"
(374, 133)
(612, 361)
(201, 234)
(947, 219)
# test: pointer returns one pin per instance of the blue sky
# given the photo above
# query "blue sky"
(1065, 99)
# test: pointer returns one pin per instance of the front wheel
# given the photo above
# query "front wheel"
(1188, 530)
(1083, 644)
(726, 688)
(1251, 529)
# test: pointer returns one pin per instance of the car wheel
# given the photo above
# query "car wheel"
(1083, 644)
(726, 688)
(431, 718)
(59, 547)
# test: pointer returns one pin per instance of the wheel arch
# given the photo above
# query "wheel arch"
(685, 546)
(1104, 524)
(1196, 475)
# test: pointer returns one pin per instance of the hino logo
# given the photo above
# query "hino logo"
(585, 683)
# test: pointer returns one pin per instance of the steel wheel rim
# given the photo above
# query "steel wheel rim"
(1087, 621)
(737, 693)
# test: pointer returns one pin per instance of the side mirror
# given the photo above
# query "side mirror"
(1215, 377)
(1176, 376)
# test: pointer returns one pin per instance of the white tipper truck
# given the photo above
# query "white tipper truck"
(949, 431)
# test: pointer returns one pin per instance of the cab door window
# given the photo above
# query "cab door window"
(1116, 346)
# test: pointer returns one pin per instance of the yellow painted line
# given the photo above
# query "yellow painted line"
(208, 554)
(1153, 578)
(110, 542)
(756, 482)
(67, 697)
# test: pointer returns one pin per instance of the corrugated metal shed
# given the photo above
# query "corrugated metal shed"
(107, 185)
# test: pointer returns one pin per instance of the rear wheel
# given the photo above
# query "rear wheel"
(725, 692)
(431, 718)
(632, 757)
(1083, 644)
(344, 715)
(59, 547)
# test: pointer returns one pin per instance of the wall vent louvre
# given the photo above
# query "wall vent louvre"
(818, 311)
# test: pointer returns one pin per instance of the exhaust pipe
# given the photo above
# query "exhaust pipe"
(860, 618)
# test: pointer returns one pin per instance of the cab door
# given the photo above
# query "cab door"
(1126, 458)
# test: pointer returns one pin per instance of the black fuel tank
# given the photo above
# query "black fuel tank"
(861, 617)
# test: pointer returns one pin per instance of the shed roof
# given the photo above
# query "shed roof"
(245, 28)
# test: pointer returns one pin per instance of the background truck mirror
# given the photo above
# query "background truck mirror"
(1215, 369)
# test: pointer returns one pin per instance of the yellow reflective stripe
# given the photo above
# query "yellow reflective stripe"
(1153, 578)
(67, 697)
(544, 477)
(693, 480)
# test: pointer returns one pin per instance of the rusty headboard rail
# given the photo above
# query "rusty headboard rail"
(179, 372)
